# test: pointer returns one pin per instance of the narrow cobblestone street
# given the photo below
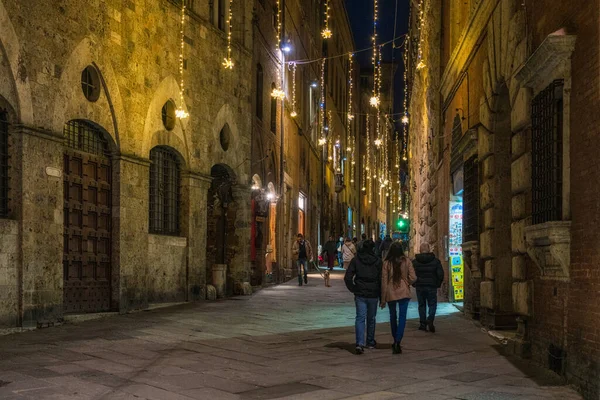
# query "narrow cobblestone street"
(283, 342)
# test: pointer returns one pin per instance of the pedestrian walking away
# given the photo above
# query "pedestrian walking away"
(363, 237)
(430, 276)
(378, 242)
(397, 276)
(363, 278)
(302, 251)
(348, 252)
(330, 250)
(385, 246)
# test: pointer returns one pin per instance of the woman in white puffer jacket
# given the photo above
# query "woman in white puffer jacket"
(348, 252)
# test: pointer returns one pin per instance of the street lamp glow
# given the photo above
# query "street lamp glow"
(374, 101)
(286, 48)
(405, 120)
(314, 85)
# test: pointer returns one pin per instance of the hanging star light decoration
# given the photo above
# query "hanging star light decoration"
(326, 33)
(181, 113)
(228, 61)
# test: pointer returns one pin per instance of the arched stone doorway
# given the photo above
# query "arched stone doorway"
(221, 218)
(87, 207)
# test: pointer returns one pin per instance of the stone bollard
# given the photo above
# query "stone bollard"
(219, 278)
(211, 292)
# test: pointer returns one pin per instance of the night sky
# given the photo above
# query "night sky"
(361, 19)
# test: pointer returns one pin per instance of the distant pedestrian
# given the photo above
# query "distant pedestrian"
(348, 252)
(340, 244)
(430, 276)
(363, 278)
(330, 251)
(302, 252)
(354, 241)
(385, 246)
(378, 242)
(363, 237)
(396, 277)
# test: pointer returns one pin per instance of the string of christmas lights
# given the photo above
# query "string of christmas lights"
(293, 114)
(279, 25)
(375, 98)
(350, 135)
(180, 112)
(421, 24)
(330, 135)
(228, 62)
(326, 33)
(322, 140)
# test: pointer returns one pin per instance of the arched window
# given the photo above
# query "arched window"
(164, 191)
(273, 111)
(3, 163)
(259, 91)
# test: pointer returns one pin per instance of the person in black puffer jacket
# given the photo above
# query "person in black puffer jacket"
(430, 276)
(363, 279)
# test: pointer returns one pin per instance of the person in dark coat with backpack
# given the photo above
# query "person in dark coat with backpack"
(430, 276)
(363, 279)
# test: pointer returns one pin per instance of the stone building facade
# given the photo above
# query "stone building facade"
(109, 201)
(502, 121)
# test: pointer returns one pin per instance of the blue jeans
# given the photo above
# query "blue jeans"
(427, 296)
(302, 264)
(366, 310)
(398, 309)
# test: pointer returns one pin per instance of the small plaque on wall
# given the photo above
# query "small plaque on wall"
(53, 172)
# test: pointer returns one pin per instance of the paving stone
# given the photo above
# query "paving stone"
(469, 376)
(490, 395)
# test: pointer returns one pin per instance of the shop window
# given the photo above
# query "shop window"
(164, 191)
(546, 152)
(301, 213)
(259, 91)
(3, 163)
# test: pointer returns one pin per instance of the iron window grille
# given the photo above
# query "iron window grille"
(471, 200)
(546, 152)
(4, 163)
(86, 137)
(164, 191)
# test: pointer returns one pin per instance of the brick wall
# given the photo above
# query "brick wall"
(579, 300)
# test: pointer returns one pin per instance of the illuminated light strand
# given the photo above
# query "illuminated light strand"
(326, 33)
(350, 135)
(374, 101)
(180, 112)
(330, 135)
(421, 24)
(228, 61)
(293, 114)
(279, 24)
(322, 140)
(367, 169)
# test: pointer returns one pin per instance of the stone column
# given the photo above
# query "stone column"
(194, 226)
(37, 191)
(130, 232)
(240, 266)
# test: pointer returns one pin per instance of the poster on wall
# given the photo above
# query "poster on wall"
(455, 250)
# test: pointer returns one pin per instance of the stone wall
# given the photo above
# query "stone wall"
(167, 269)
(135, 49)
(9, 273)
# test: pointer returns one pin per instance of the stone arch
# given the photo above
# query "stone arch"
(16, 88)
(70, 102)
(507, 51)
(154, 131)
